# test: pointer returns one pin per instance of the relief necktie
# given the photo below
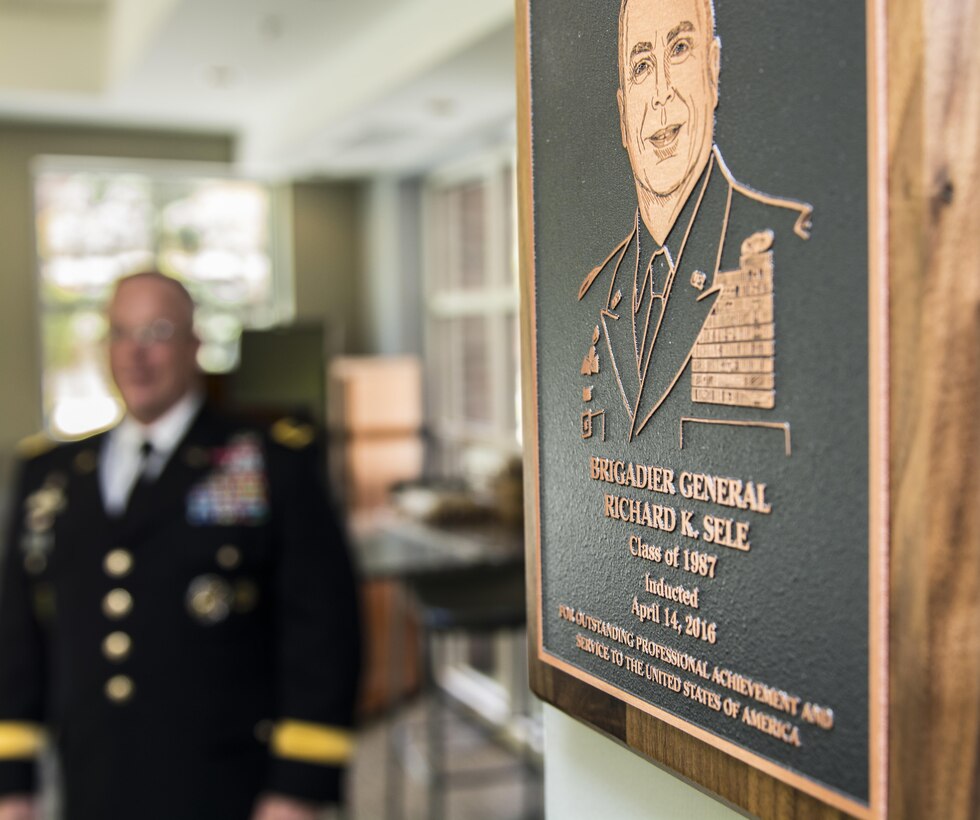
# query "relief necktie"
(650, 303)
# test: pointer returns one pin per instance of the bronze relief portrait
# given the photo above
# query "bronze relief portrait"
(688, 293)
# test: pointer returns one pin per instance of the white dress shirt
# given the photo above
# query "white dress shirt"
(121, 462)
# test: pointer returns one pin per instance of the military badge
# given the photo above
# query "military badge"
(588, 427)
(40, 509)
(235, 492)
(41, 506)
(292, 434)
(590, 364)
(209, 599)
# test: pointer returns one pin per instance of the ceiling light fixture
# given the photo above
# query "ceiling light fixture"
(271, 27)
(442, 106)
(222, 76)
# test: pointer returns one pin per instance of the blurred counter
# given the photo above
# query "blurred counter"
(390, 545)
(395, 555)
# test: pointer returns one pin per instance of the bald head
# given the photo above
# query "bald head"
(152, 345)
(181, 298)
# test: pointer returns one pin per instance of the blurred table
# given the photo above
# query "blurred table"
(389, 545)
(462, 579)
(397, 558)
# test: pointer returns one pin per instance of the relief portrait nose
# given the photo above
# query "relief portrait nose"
(663, 90)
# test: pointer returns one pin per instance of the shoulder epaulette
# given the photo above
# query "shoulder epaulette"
(290, 433)
(804, 210)
(35, 445)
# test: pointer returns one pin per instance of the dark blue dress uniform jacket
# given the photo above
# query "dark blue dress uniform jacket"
(194, 652)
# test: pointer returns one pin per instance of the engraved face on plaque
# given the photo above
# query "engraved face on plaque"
(687, 312)
(700, 302)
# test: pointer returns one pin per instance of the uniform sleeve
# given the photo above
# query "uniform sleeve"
(21, 662)
(318, 633)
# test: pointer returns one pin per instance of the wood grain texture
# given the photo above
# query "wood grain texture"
(931, 124)
(934, 251)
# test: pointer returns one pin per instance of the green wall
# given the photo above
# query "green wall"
(327, 260)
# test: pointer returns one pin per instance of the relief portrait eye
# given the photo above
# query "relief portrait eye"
(680, 50)
(641, 69)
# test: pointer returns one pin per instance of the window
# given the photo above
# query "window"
(97, 221)
(472, 360)
(472, 342)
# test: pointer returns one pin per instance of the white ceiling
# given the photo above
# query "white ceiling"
(309, 87)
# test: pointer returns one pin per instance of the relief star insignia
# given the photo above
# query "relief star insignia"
(292, 434)
(590, 364)
(588, 427)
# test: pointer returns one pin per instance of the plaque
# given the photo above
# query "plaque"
(701, 287)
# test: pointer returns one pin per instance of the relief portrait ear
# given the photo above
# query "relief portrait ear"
(622, 114)
(714, 65)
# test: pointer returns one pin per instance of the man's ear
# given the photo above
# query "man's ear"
(714, 66)
(622, 116)
(196, 345)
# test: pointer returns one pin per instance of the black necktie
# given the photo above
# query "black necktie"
(142, 479)
(146, 450)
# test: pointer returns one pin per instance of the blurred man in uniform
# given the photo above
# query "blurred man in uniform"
(177, 606)
(700, 241)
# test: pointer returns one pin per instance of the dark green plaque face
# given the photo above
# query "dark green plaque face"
(701, 308)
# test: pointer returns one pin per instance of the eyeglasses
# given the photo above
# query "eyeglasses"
(157, 332)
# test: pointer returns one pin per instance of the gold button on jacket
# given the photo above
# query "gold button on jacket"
(116, 646)
(119, 688)
(118, 563)
(228, 556)
(117, 604)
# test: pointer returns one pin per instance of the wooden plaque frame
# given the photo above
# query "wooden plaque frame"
(924, 303)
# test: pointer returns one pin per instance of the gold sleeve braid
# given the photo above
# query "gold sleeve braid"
(312, 743)
(20, 740)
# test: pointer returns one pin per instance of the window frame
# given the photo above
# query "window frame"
(279, 310)
(445, 299)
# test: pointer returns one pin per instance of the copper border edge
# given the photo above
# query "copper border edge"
(879, 434)
(878, 445)
(528, 303)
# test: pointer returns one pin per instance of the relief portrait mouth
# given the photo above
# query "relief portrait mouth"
(664, 141)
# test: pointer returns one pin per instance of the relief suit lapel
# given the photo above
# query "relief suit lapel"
(617, 325)
(670, 341)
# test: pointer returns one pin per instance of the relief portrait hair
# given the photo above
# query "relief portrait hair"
(706, 11)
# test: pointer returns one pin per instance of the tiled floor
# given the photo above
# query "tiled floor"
(513, 793)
